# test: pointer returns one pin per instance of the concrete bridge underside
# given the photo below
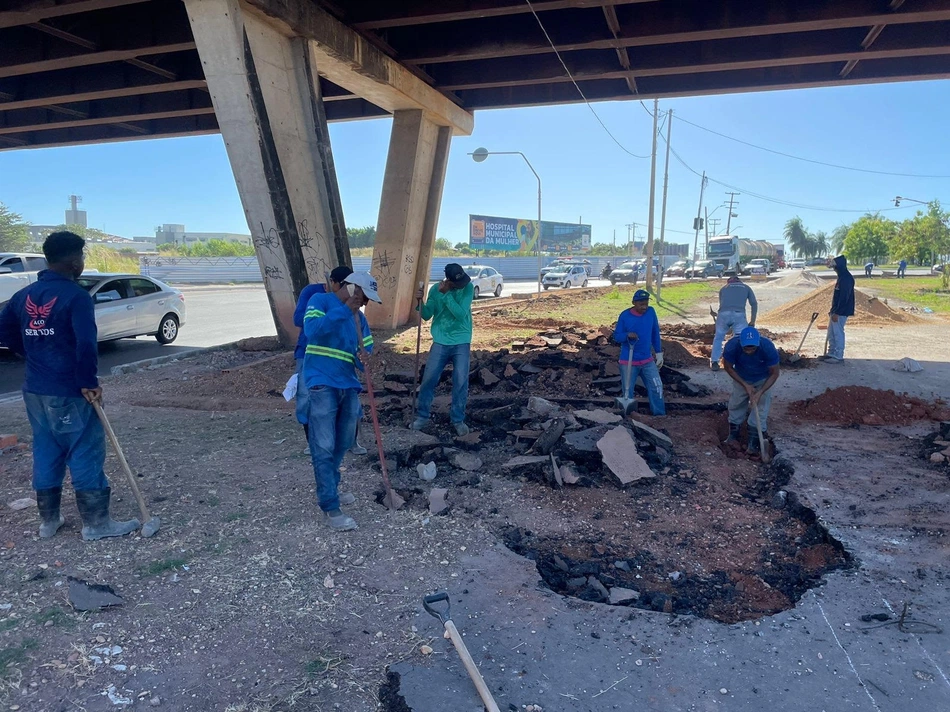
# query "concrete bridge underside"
(270, 74)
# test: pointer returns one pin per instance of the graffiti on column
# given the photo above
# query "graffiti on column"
(269, 240)
(383, 268)
(408, 269)
(303, 234)
(272, 272)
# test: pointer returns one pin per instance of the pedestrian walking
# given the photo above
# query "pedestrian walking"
(752, 361)
(52, 323)
(449, 306)
(902, 269)
(330, 367)
(733, 297)
(842, 307)
(641, 352)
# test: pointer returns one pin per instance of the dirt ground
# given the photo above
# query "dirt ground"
(245, 601)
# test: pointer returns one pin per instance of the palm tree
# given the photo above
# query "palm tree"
(836, 244)
(797, 237)
(821, 243)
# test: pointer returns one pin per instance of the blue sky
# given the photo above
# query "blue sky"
(129, 188)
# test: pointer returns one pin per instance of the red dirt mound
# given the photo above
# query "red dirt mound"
(866, 406)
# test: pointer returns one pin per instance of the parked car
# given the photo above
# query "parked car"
(18, 270)
(760, 265)
(797, 264)
(939, 267)
(626, 272)
(486, 280)
(565, 277)
(816, 261)
(705, 269)
(129, 305)
(678, 268)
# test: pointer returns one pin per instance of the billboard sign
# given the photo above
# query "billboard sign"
(514, 235)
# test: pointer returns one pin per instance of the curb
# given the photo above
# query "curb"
(156, 361)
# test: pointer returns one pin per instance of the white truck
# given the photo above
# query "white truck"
(17, 270)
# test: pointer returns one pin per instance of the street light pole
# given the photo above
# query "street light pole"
(479, 155)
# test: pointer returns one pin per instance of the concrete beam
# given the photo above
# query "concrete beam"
(408, 214)
(25, 12)
(350, 61)
(158, 128)
(87, 59)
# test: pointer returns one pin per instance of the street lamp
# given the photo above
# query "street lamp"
(479, 155)
(898, 199)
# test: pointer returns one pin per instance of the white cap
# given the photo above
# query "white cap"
(366, 282)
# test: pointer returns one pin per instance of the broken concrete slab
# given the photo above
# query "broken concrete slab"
(495, 415)
(619, 595)
(550, 437)
(23, 503)
(557, 472)
(473, 439)
(582, 444)
(487, 378)
(437, 503)
(510, 371)
(595, 587)
(403, 444)
(569, 474)
(427, 471)
(529, 369)
(599, 416)
(466, 461)
(525, 461)
(644, 431)
(526, 434)
(619, 451)
(543, 407)
(394, 387)
(84, 596)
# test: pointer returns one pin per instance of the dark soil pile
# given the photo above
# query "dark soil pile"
(851, 405)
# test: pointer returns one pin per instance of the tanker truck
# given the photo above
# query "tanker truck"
(734, 253)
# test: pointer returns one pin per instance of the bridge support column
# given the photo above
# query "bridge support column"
(266, 95)
(408, 214)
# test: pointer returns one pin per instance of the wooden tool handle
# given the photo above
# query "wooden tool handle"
(453, 634)
(122, 461)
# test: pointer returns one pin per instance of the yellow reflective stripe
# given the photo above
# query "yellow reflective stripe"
(330, 353)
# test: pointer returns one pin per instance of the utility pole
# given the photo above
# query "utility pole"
(649, 275)
(666, 183)
(706, 223)
(715, 222)
(615, 241)
(732, 199)
(631, 236)
(698, 220)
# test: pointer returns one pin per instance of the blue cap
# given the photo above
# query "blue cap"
(749, 336)
(641, 295)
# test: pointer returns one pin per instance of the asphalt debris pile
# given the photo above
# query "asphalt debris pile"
(936, 446)
(868, 311)
(860, 405)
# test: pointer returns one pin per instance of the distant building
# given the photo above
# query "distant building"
(75, 216)
(176, 235)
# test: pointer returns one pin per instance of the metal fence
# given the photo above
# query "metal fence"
(227, 270)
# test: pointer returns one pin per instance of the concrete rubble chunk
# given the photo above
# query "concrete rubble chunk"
(525, 461)
(394, 387)
(466, 461)
(23, 503)
(937, 457)
(437, 503)
(530, 369)
(427, 471)
(493, 416)
(526, 434)
(471, 440)
(594, 584)
(542, 407)
(599, 416)
(557, 472)
(488, 378)
(84, 596)
(569, 474)
(621, 457)
(618, 595)
(510, 371)
(582, 444)
(402, 444)
(550, 437)
(645, 432)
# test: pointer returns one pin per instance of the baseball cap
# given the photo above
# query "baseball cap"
(366, 282)
(749, 336)
(338, 274)
(455, 274)
(641, 295)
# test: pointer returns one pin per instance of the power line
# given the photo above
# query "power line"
(577, 86)
(811, 160)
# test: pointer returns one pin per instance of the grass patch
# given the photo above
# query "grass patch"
(159, 567)
(918, 291)
(15, 655)
(105, 259)
(675, 301)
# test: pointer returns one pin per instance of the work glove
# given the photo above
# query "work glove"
(659, 359)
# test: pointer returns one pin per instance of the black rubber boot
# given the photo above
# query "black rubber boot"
(97, 524)
(733, 434)
(306, 432)
(47, 501)
(753, 448)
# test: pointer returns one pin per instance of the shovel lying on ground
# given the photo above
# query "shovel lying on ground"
(625, 403)
(795, 357)
(151, 524)
(392, 500)
(452, 633)
(763, 446)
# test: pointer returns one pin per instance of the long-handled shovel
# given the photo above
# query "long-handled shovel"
(627, 402)
(415, 369)
(392, 500)
(151, 524)
(763, 446)
(795, 356)
(452, 633)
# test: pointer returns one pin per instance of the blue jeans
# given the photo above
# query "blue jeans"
(302, 401)
(650, 375)
(334, 413)
(439, 356)
(66, 431)
(724, 322)
(836, 337)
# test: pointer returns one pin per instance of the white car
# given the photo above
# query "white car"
(565, 277)
(796, 264)
(129, 305)
(486, 280)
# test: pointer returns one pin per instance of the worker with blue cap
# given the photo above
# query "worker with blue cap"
(752, 361)
(641, 353)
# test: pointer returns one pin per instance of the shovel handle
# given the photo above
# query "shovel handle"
(452, 633)
(763, 446)
(427, 602)
(110, 434)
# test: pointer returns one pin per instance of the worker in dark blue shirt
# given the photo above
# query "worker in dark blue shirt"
(52, 323)
(752, 361)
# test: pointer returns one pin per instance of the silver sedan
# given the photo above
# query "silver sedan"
(129, 305)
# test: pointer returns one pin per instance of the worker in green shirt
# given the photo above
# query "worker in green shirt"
(449, 305)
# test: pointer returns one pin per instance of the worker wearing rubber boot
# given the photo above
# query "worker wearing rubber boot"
(638, 333)
(731, 317)
(332, 359)
(752, 362)
(334, 283)
(52, 323)
(449, 305)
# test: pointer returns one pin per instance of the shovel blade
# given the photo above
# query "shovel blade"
(627, 405)
(151, 527)
(393, 501)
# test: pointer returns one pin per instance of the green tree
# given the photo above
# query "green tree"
(361, 236)
(443, 244)
(868, 239)
(922, 238)
(798, 238)
(820, 243)
(836, 243)
(14, 235)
